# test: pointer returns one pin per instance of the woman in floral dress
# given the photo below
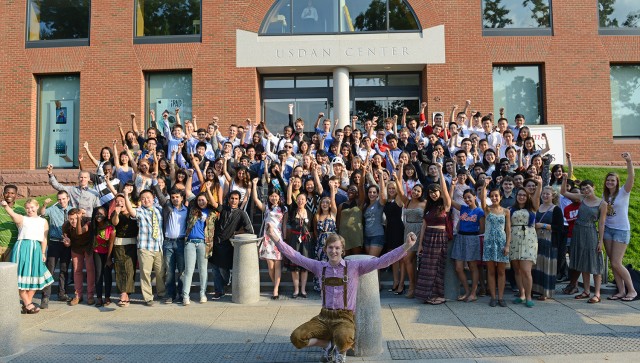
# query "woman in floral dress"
(325, 221)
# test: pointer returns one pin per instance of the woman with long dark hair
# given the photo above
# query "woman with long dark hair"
(104, 235)
(523, 251)
(433, 246)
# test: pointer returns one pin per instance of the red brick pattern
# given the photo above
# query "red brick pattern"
(575, 61)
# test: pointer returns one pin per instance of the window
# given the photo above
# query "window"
(58, 23)
(518, 90)
(166, 92)
(625, 100)
(338, 16)
(58, 120)
(167, 21)
(516, 17)
(619, 17)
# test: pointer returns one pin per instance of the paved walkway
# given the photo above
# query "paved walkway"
(219, 331)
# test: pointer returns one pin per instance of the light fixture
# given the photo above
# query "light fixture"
(387, 67)
(292, 69)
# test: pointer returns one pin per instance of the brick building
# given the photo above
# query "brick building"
(70, 74)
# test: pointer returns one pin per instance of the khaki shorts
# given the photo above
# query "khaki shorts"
(330, 325)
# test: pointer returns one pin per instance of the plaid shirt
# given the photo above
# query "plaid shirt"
(145, 229)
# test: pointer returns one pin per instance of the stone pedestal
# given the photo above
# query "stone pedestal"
(451, 283)
(246, 272)
(9, 309)
(368, 338)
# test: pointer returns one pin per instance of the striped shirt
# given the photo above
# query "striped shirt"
(145, 229)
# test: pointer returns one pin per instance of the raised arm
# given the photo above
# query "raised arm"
(122, 136)
(383, 188)
(178, 117)
(403, 120)
(569, 165)
(452, 188)
(483, 198)
(316, 170)
(188, 188)
(320, 117)
(214, 203)
(546, 144)
(290, 193)
(225, 171)
(134, 124)
(116, 157)
(93, 160)
(576, 197)
(333, 209)
(628, 184)
(127, 204)
(15, 217)
(254, 195)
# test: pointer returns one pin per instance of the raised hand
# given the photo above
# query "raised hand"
(410, 240)
(49, 169)
(626, 156)
(47, 201)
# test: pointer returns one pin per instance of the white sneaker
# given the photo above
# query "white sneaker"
(339, 358)
(327, 353)
(203, 299)
(186, 301)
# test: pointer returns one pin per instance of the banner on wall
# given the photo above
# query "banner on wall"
(555, 135)
(169, 105)
(59, 134)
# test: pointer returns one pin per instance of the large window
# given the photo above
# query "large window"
(518, 90)
(625, 100)
(58, 120)
(166, 92)
(167, 21)
(338, 16)
(619, 16)
(516, 17)
(58, 22)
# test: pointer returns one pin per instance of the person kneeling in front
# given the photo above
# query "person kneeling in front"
(334, 329)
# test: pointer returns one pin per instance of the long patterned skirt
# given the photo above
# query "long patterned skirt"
(430, 281)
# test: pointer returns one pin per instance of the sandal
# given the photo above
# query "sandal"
(33, 310)
(584, 295)
(471, 299)
(615, 297)
(107, 302)
(462, 297)
(435, 301)
(594, 300)
(123, 303)
(570, 290)
(629, 298)
(99, 303)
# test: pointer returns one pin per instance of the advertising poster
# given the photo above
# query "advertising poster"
(555, 134)
(58, 134)
(168, 105)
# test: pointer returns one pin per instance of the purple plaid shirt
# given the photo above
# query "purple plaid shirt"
(355, 268)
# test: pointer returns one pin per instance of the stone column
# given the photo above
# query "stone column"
(368, 338)
(451, 283)
(9, 310)
(246, 272)
(341, 96)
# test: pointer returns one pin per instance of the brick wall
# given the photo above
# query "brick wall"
(575, 61)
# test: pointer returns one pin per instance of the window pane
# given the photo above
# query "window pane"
(177, 17)
(276, 114)
(59, 119)
(400, 17)
(363, 15)
(516, 14)
(319, 16)
(278, 82)
(369, 81)
(517, 89)
(304, 82)
(58, 19)
(619, 14)
(168, 91)
(625, 100)
(279, 19)
(308, 110)
(404, 80)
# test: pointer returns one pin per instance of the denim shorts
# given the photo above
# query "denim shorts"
(617, 235)
(374, 241)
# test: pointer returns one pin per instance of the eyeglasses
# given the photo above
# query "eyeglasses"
(288, 147)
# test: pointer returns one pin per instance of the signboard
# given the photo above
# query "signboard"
(555, 134)
(59, 144)
(169, 105)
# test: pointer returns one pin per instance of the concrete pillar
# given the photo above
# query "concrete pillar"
(341, 96)
(9, 310)
(451, 283)
(368, 338)
(246, 272)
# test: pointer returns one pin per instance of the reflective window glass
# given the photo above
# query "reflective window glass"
(315, 16)
(400, 16)
(516, 14)
(58, 19)
(403, 79)
(625, 100)
(278, 21)
(619, 14)
(278, 82)
(304, 81)
(165, 18)
(168, 91)
(364, 15)
(369, 80)
(58, 120)
(518, 90)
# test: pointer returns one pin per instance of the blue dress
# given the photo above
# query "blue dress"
(495, 238)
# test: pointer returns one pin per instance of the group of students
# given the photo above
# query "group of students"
(173, 197)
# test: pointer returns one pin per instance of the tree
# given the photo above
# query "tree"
(495, 15)
(633, 20)
(62, 19)
(374, 18)
(539, 11)
(606, 10)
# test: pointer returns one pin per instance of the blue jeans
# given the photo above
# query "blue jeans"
(173, 251)
(195, 251)
(221, 277)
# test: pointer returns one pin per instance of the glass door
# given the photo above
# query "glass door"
(276, 112)
(384, 107)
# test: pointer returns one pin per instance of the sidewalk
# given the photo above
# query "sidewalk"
(219, 331)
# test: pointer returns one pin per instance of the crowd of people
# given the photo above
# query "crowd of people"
(169, 199)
